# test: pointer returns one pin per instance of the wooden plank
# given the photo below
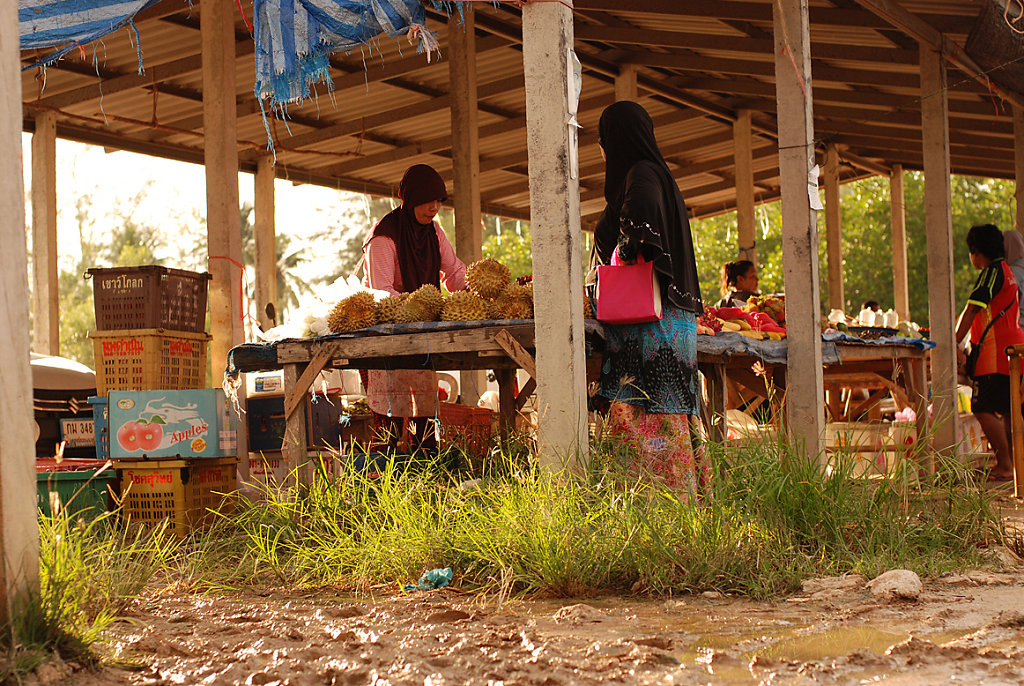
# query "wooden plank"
(1016, 425)
(525, 392)
(805, 400)
(506, 379)
(517, 352)
(1018, 164)
(296, 395)
(897, 209)
(265, 232)
(397, 345)
(293, 447)
(221, 161)
(834, 230)
(939, 231)
(743, 158)
(626, 84)
(45, 291)
(717, 394)
(19, 530)
(562, 435)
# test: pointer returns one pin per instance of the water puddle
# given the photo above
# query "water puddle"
(831, 643)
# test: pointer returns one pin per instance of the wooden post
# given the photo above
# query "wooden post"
(897, 203)
(805, 395)
(265, 233)
(626, 83)
(45, 295)
(834, 230)
(562, 434)
(466, 163)
(221, 159)
(19, 532)
(939, 230)
(743, 152)
(1018, 163)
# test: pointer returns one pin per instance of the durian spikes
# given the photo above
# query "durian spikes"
(487, 278)
(424, 304)
(515, 302)
(357, 311)
(463, 306)
(387, 309)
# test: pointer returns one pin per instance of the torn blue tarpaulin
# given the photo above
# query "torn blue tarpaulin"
(71, 23)
(295, 37)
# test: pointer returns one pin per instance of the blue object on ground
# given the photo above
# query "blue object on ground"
(431, 579)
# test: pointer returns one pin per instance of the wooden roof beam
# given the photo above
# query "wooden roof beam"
(923, 31)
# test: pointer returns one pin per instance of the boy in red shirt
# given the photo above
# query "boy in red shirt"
(994, 301)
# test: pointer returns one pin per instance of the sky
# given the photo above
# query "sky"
(174, 200)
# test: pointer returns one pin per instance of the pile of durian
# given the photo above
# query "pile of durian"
(490, 294)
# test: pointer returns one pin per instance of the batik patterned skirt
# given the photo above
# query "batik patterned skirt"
(650, 377)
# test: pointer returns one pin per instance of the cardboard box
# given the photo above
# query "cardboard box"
(164, 424)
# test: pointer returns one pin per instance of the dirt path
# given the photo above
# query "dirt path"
(963, 629)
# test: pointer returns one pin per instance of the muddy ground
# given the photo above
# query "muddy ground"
(966, 628)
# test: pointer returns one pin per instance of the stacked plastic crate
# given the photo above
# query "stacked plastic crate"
(172, 440)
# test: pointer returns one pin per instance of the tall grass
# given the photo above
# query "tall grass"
(773, 518)
(89, 570)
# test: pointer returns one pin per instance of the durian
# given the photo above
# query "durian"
(464, 306)
(424, 304)
(515, 302)
(404, 316)
(387, 309)
(487, 278)
(357, 311)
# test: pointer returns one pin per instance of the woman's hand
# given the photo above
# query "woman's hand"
(628, 250)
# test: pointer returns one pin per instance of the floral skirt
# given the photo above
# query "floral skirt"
(668, 447)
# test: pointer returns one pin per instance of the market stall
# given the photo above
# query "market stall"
(504, 346)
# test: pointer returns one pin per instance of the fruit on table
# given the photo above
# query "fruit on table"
(772, 305)
(423, 305)
(487, 278)
(463, 306)
(357, 311)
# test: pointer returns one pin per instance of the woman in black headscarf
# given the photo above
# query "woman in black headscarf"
(650, 370)
(407, 249)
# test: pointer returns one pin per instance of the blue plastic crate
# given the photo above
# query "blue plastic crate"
(100, 422)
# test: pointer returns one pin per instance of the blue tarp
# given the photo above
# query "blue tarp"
(295, 37)
(70, 23)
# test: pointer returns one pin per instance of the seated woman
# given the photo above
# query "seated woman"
(407, 249)
(739, 282)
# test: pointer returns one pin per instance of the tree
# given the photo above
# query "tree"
(290, 286)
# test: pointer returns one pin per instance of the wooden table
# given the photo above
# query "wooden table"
(896, 368)
(501, 348)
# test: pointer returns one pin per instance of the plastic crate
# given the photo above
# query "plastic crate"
(149, 359)
(100, 423)
(182, 492)
(149, 297)
(73, 486)
(467, 428)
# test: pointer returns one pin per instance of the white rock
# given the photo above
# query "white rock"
(896, 584)
(576, 614)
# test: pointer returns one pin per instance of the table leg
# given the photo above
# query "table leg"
(1017, 428)
(506, 401)
(717, 392)
(916, 384)
(293, 449)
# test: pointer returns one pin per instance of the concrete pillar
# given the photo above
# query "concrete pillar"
(466, 163)
(45, 295)
(221, 160)
(265, 233)
(19, 532)
(804, 389)
(743, 152)
(834, 231)
(625, 83)
(555, 226)
(1018, 163)
(938, 213)
(898, 205)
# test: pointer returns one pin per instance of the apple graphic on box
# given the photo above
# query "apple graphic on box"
(127, 436)
(149, 435)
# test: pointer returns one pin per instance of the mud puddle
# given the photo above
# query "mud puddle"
(959, 630)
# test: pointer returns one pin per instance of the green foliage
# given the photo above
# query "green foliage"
(867, 241)
(512, 247)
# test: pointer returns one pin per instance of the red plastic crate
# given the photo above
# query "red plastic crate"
(149, 297)
(149, 359)
(467, 428)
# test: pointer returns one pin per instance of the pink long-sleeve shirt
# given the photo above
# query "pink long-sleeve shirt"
(382, 272)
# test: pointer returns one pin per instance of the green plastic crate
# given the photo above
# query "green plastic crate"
(73, 491)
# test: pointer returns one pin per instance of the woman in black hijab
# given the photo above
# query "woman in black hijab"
(650, 370)
(407, 249)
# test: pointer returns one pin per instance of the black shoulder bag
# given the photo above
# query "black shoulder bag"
(972, 356)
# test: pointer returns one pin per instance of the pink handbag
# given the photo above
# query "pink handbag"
(628, 293)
